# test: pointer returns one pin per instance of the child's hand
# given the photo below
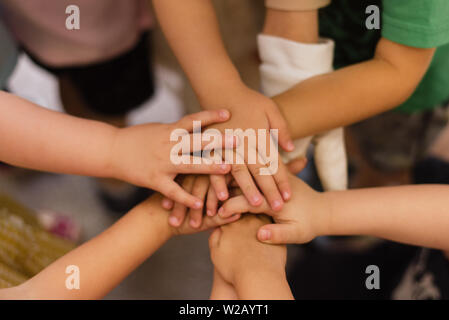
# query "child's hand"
(141, 155)
(302, 219)
(236, 252)
(252, 110)
(153, 206)
(198, 186)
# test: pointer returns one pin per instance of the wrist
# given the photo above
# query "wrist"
(324, 215)
(245, 274)
(220, 93)
(112, 163)
(158, 216)
(263, 285)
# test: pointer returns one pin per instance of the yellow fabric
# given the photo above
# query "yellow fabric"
(25, 247)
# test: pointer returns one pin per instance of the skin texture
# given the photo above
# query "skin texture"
(355, 92)
(200, 49)
(376, 85)
(106, 260)
(50, 141)
(299, 26)
(255, 270)
(385, 212)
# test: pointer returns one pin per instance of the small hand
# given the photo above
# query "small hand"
(198, 186)
(303, 218)
(141, 155)
(153, 205)
(236, 252)
(254, 111)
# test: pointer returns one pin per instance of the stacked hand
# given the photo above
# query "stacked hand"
(244, 265)
(151, 167)
(250, 110)
(303, 218)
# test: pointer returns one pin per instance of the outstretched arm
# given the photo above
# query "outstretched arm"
(36, 138)
(356, 92)
(107, 259)
(192, 30)
(416, 215)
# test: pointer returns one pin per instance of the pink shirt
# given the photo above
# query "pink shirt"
(107, 28)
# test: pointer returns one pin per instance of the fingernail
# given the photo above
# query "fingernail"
(193, 223)
(286, 195)
(173, 221)
(166, 203)
(224, 114)
(290, 146)
(197, 205)
(264, 235)
(276, 204)
(224, 167)
(220, 211)
(222, 195)
(256, 199)
(209, 213)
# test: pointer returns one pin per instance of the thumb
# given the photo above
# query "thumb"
(295, 166)
(278, 122)
(277, 234)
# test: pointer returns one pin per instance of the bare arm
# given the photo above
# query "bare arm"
(263, 285)
(416, 215)
(356, 92)
(299, 26)
(107, 259)
(35, 138)
(192, 30)
(104, 261)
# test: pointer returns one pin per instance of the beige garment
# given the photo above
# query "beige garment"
(296, 5)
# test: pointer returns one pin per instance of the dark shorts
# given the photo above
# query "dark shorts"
(116, 86)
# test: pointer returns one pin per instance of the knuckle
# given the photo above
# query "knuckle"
(238, 169)
(171, 194)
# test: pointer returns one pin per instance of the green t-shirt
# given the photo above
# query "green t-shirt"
(415, 23)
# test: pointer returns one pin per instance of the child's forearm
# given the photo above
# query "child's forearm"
(192, 30)
(263, 285)
(356, 92)
(104, 261)
(416, 215)
(299, 26)
(35, 138)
